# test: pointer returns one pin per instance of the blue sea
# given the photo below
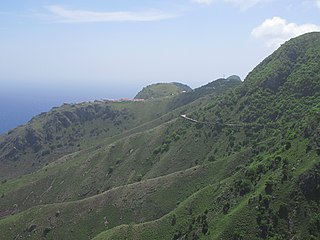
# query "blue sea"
(19, 103)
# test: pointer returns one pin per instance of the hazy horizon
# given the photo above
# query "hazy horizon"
(19, 103)
(77, 51)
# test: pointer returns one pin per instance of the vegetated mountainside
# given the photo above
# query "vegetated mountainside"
(274, 193)
(117, 160)
(216, 87)
(247, 167)
(74, 127)
(160, 90)
(70, 128)
(106, 157)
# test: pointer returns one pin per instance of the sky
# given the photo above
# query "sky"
(66, 50)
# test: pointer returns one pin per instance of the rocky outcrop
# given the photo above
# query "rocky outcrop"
(50, 127)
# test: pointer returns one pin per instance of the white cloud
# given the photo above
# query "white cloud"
(83, 16)
(204, 2)
(317, 3)
(245, 4)
(276, 30)
(242, 4)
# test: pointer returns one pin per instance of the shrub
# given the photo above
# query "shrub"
(243, 186)
(174, 220)
(283, 212)
(212, 159)
(139, 177)
(226, 208)
(268, 188)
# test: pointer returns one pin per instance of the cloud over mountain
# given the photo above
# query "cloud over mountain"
(276, 30)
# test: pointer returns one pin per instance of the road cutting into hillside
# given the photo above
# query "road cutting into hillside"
(224, 124)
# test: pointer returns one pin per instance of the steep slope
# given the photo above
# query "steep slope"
(275, 193)
(160, 90)
(215, 87)
(294, 65)
(70, 128)
(74, 127)
(99, 164)
(246, 166)
(138, 202)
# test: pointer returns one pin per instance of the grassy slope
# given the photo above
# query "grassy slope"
(89, 172)
(73, 127)
(285, 155)
(217, 87)
(238, 222)
(70, 177)
(253, 181)
(70, 128)
(98, 168)
(137, 202)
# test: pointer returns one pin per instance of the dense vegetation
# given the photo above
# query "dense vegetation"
(216, 87)
(246, 168)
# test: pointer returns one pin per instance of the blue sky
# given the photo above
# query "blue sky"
(104, 46)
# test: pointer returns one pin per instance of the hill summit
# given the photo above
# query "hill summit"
(294, 66)
(159, 90)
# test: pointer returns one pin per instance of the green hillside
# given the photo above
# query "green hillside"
(160, 90)
(70, 128)
(229, 160)
(273, 194)
(216, 87)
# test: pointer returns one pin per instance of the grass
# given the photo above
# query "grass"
(154, 175)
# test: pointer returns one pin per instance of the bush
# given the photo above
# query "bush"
(173, 220)
(283, 212)
(212, 159)
(243, 186)
(45, 152)
(268, 188)
(157, 150)
(226, 208)
(139, 177)
(287, 146)
(261, 168)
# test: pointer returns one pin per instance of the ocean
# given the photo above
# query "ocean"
(18, 104)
